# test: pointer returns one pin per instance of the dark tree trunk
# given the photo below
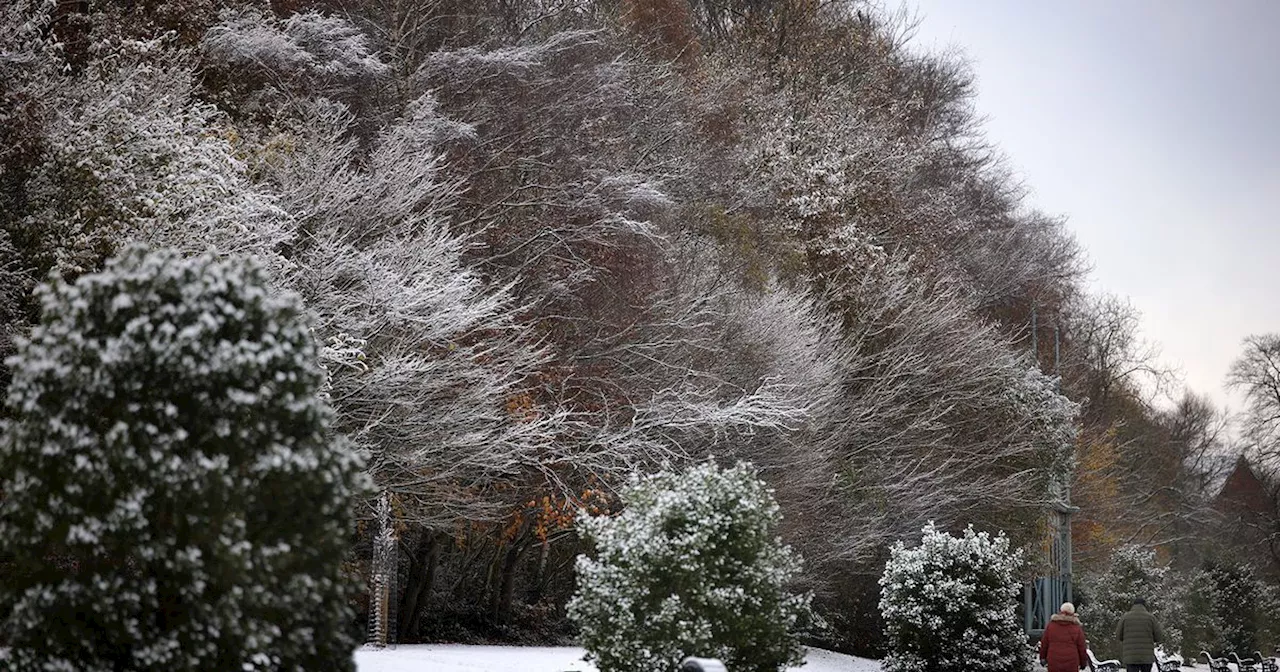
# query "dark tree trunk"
(507, 588)
(423, 562)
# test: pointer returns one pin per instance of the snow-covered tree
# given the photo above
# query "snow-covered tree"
(1224, 607)
(853, 177)
(933, 401)
(174, 499)
(1236, 595)
(109, 144)
(571, 202)
(949, 604)
(15, 285)
(691, 566)
(1132, 573)
(425, 360)
(430, 371)
(126, 152)
(261, 64)
(29, 65)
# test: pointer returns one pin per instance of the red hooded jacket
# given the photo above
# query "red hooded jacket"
(1062, 644)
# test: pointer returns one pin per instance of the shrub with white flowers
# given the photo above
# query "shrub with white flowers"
(949, 605)
(173, 500)
(691, 567)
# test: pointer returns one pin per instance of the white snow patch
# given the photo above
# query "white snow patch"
(466, 658)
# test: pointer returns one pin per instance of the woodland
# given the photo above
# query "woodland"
(546, 244)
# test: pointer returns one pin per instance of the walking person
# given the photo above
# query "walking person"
(1138, 633)
(1062, 646)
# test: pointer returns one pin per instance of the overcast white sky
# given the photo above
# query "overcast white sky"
(1152, 125)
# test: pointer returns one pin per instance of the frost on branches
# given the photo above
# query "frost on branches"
(173, 498)
(949, 605)
(692, 566)
(262, 64)
(428, 363)
(129, 153)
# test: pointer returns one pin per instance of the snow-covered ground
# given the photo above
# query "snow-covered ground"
(464, 658)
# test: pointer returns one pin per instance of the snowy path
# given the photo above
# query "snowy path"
(463, 658)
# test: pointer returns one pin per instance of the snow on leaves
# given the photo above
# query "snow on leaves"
(949, 604)
(691, 566)
(170, 454)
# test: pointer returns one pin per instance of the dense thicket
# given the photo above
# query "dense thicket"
(548, 244)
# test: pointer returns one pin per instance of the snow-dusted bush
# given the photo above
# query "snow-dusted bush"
(1225, 607)
(691, 566)
(173, 498)
(1132, 573)
(1235, 593)
(949, 605)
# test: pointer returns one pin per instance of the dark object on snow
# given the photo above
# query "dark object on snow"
(1268, 664)
(692, 664)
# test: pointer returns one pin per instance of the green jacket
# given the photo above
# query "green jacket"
(1138, 633)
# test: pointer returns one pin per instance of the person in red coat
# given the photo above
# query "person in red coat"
(1062, 647)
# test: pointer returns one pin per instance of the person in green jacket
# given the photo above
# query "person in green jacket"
(1138, 633)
